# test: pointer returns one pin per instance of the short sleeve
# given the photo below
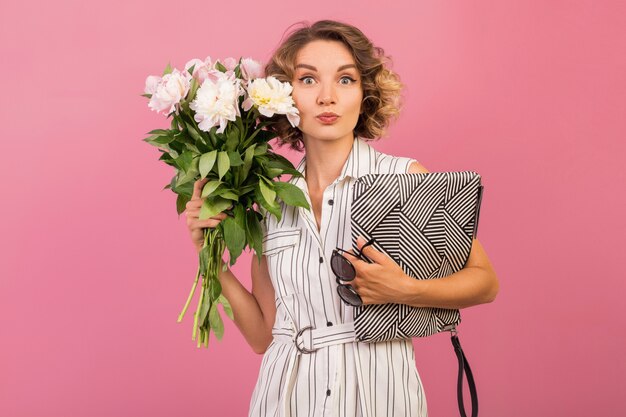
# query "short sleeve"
(390, 164)
(408, 164)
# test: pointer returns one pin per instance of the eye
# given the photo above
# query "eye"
(348, 78)
(304, 78)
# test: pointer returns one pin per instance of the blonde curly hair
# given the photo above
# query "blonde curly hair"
(381, 86)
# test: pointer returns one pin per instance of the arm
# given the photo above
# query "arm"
(384, 281)
(476, 283)
(254, 312)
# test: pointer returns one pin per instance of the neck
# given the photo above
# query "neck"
(324, 161)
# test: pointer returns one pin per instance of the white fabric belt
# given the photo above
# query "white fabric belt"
(309, 339)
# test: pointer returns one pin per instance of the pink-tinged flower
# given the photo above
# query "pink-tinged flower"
(152, 82)
(168, 93)
(271, 96)
(230, 63)
(251, 69)
(202, 69)
(216, 102)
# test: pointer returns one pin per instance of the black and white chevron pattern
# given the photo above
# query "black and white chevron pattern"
(425, 222)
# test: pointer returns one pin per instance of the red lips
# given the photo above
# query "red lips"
(327, 117)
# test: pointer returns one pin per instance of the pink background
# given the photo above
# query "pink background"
(96, 265)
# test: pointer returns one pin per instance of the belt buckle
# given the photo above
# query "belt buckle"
(303, 349)
(450, 328)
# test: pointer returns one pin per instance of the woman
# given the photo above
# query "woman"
(345, 94)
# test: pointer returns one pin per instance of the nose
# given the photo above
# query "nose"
(326, 96)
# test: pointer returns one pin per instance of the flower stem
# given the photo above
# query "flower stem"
(193, 290)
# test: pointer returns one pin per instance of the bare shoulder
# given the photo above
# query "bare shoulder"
(417, 168)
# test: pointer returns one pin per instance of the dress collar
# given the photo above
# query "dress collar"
(360, 162)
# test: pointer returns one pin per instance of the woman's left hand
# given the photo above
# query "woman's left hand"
(380, 282)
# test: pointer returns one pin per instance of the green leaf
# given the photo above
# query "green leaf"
(237, 69)
(193, 148)
(226, 305)
(203, 259)
(215, 289)
(158, 141)
(229, 194)
(184, 189)
(205, 307)
(223, 164)
(209, 187)
(267, 190)
(167, 69)
(183, 162)
(213, 206)
(216, 322)
(291, 194)
(193, 133)
(159, 132)
(190, 175)
(220, 67)
(213, 136)
(181, 203)
(232, 138)
(245, 189)
(273, 172)
(273, 208)
(174, 123)
(234, 237)
(283, 164)
(235, 159)
(255, 233)
(207, 161)
(240, 215)
(193, 88)
(247, 161)
(260, 149)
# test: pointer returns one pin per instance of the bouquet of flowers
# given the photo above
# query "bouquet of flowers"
(222, 114)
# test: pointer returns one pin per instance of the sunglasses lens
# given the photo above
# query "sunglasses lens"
(348, 295)
(342, 268)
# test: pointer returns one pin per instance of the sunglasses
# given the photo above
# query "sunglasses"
(344, 270)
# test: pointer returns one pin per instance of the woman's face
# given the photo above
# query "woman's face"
(326, 79)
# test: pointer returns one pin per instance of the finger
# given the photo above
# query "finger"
(370, 251)
(193, 204)
(201, 224)
(210, 223)
(197, 187)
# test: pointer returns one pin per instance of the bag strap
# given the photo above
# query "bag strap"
(464, 366)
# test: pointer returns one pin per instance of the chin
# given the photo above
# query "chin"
(327, 133)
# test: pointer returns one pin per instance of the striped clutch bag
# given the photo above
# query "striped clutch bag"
(425, 222)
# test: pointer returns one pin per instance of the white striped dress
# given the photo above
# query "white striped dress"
(341, 380)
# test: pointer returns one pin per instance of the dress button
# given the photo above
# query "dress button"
(330, 201)
(321, 259)
(327, 392)
(330, 323)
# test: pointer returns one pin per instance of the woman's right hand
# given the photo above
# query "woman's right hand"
(192, 212)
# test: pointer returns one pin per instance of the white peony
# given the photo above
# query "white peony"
(271, 97)
(216, 102)
(169, 91)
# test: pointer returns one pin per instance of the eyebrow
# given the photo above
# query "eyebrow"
(311, 67)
